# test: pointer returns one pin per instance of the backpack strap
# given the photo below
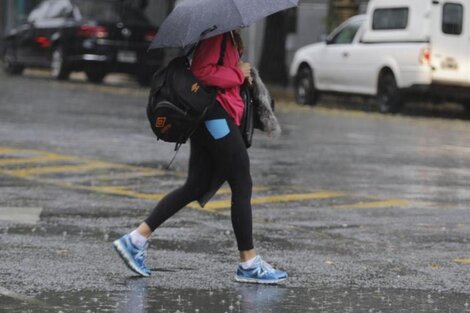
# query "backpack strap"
(222, 50)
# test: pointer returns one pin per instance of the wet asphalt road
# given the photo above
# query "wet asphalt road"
(367, 213)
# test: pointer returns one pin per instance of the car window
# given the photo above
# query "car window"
(390, 19)
(39, 12)
(60, 9)
(347, 34)
(110, 11)
(452, 18)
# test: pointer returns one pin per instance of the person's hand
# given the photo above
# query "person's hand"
(245, 68)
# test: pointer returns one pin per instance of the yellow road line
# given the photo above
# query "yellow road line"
(121, 191)
(35, 160)
(225, 191)
(226, 204)
(120, 176)
(462, 261)
(7, 150)
(25, 172)
(33, 173)
(374, 204)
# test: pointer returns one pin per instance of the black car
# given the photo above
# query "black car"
(97, 37)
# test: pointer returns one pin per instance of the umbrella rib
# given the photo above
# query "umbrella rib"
(239, 13)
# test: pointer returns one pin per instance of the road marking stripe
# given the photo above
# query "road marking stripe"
(21, 215)
(462, 261)
(42, 159)
(119, 176)
(25, 172)
(32, 173)
(225, 191)
(374, 204)
(226, 204)
(121, 191)
(7, 150)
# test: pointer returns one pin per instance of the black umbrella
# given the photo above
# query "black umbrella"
(193, 20)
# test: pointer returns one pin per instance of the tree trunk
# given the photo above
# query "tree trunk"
(273, 68)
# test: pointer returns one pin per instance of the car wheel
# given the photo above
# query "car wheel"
(95, 76)
(466, 108)
(59, 68)
(10, 66)
(305, 92)
(389, 98)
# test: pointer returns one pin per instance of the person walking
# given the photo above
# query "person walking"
(217, 154)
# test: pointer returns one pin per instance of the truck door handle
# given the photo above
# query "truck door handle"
(345, 54)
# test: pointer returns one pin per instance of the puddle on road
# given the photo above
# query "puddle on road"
(243, 299)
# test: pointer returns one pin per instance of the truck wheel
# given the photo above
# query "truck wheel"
(388, 95)
(305, 92)
(95, 76)
(59, 68)
(10, 66)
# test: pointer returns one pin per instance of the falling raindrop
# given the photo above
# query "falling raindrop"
(106, 236)
(231, 307)
(64, 234)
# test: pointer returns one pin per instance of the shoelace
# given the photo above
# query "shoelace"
(266, 266)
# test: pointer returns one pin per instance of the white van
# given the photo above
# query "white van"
(399, 49)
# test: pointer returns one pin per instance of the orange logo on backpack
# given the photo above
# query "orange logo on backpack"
(161, 121)
(195, 87)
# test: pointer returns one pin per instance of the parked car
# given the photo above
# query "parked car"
(98, 37)
(398, 50)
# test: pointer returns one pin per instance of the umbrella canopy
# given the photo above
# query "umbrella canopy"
(193, 20)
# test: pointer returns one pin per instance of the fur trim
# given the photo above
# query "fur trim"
(265, 112)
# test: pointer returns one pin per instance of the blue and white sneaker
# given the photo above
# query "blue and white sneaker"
(260, 272)
(132, 255)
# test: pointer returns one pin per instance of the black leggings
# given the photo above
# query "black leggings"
(217, 148)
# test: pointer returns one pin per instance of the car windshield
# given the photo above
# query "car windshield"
(110, 11)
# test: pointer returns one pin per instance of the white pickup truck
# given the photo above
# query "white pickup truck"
(399, 49)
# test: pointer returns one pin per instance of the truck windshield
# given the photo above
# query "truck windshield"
(110, 11)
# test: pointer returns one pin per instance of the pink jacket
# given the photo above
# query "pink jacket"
(227, 77)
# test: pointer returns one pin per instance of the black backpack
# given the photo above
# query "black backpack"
(178, 101)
